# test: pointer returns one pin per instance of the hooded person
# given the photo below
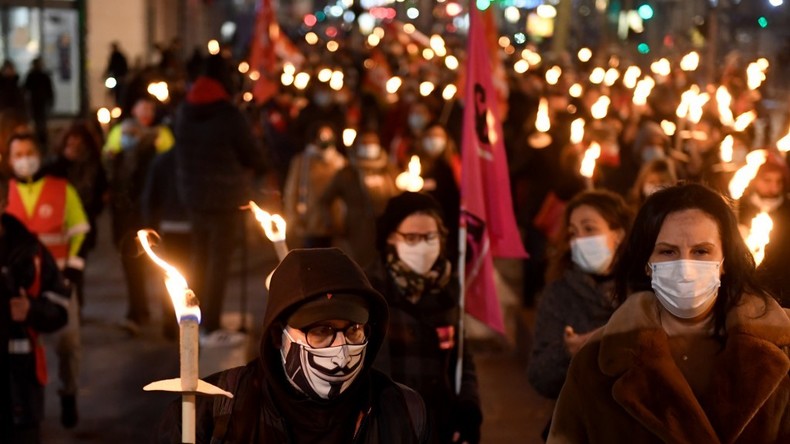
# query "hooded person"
(312, 382)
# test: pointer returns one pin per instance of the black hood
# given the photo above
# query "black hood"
(307, 273)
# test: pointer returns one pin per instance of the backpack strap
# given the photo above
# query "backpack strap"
(222, 407)
(416, 408)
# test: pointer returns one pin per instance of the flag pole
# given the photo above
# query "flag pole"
(459, 362)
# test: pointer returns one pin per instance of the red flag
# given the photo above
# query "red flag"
(486, 205)
(268, 46)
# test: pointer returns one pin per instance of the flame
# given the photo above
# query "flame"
(349, 135)
(410, 179)
(611, 76)
(754, 76)
(743, 121)
(588, 162)
(668, 127)
(600, 108)
(449, 92)
(542, 122)
(783, 144)
(743, 177)
(184, 301)
(597, 75)
(584, 54)
(426, 88)
(759, 236)
(553, 75)
(661, 67)
(393, 84)
(631, 76)
(324, 75)
(103, 115)
(273, 225)
(159, 90)
(575, 90)
(723, 101)
(726, 149)
(213, 47)
(643, 89)
(690, 61)
(577, 131)
(336, 80)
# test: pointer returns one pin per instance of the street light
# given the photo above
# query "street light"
(776, 3)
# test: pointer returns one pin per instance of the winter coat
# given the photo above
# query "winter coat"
(364, 186)
(308, 177)
(411, 355)
(624, 385)
(22, 390)
(268, 409)
(576, 300)
(215, 151)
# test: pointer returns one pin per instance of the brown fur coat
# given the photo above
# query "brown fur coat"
(624, 385)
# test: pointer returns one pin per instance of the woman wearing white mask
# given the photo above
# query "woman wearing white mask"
(697, 352)
(416, 278)
(579, 296)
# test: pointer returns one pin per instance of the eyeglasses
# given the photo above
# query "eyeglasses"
(322, 336)
(415, 238)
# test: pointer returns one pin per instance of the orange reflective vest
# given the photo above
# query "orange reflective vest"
(48, 218)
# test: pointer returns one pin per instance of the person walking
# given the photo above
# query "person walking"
(41, 99)
(216, 159)
(421, 349)
(697, 350)
(313, 380)
(51, 209)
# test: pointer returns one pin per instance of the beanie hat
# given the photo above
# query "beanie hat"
(399, 208)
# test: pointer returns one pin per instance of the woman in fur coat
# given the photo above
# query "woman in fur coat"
(697, 352)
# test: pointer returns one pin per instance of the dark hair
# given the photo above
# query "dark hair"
(22, 137)
(80, 129)
(739, 275)
(664, 167)
(402, 206)
(612, 209)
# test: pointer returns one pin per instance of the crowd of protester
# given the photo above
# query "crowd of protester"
(186, 166)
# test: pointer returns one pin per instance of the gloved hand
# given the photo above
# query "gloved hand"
(467, 426)
(73, 277)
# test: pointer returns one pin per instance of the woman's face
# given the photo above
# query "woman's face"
(688, 235)
(586, 221)
(74, 149)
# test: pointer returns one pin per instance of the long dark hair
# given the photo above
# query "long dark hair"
(612, 209)
(739, 267)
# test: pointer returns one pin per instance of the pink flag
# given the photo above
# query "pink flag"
(486, 205)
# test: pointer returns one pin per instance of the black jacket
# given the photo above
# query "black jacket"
(215, 152)
(266, 408)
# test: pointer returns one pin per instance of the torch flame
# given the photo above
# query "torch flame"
(759, 236)
(631, 76)
(754, 76)
(273, 224)
(723, 101)
(643, 89)
(744, 120)
(690, 61)
(542, 122)
(600, 108)
(588, 162)
(743, 177)
(783, 144)
(577, 131)
(184, 301)
(410, 179)
(726, 149)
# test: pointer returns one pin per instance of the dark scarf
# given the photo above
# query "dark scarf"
(413, 286)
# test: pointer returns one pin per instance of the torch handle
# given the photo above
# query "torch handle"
(188, 419)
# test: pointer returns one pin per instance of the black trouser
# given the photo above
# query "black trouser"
(178, 250)
(135, 266)
(27, 397)
(214, 236)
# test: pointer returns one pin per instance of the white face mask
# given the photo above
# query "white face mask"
(592, 253)
(26, 167)
(369, 151)
(421, 257)
(686, 288)
(434, 145)
(766, 204)
(321, 373)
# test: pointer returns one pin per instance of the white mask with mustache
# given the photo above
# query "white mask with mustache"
(321, 373)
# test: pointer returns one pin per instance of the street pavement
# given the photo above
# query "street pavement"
(114, 408)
